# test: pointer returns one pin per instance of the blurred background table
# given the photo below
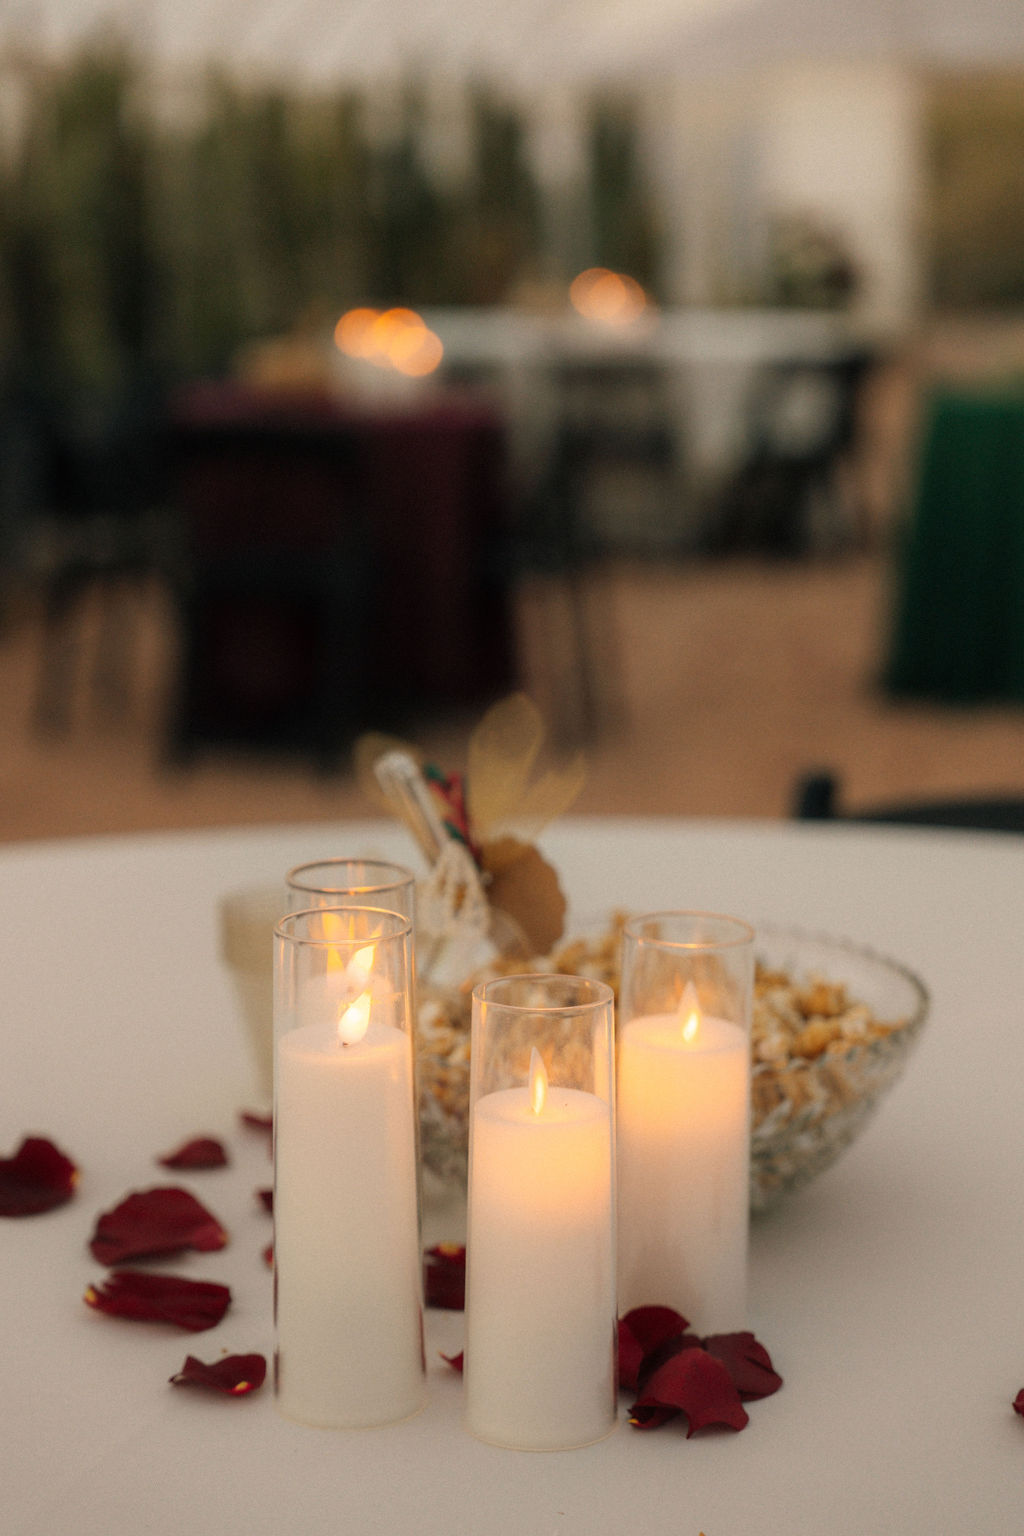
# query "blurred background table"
(341, 561)
(888, 1291)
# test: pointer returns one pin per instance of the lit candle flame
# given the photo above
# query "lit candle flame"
(538, 1082)
(355, 1020)
(689, 1013)
(361, 965)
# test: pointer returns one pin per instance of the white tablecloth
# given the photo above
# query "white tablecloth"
(889, 1292)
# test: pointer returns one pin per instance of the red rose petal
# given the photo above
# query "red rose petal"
(256, 1120)
(630, 1356)
(651, 1326)
(691, 1382)
(444, 1276)
(235, 1375)
(155, 1221)
(202, 1152)
(641, 1331)
(266, 1199)
(666, 1350)
(1018, 1402)
(38, 1178)
(748, 1363)
(455, 1361)
(268, 1255)
(148, 1298)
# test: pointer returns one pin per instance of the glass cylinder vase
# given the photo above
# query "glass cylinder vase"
(347, 1258)
(352, 882)
(683, 1104)
(540, 1288)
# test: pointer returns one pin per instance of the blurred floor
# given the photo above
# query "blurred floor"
(718, 686)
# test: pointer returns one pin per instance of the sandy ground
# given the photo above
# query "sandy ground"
(717, 686)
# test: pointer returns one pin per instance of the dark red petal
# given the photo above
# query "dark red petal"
(148, 1298)
(155, 1221)
(1018, 1402)
(695, 1383)
(650, 1326)
(455, 1361)
(266, 1199)
(640, 1331)
(37, 1178)
(630, 1356)
(236, 1375)
(202, 1152)
(643, 1417)
(444, 1276)
(268, 1255)
(256, 1120)
(748, 1363)
(656, 1358)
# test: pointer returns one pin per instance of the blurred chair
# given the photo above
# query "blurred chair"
(100, 480)
(275, 588)
(816, 798)
(788, 497)
(611, 419)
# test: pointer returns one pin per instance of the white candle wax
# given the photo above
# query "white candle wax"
(346, 1233)
(540, 1298)
(683, 1143)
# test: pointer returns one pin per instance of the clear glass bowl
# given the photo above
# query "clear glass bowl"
(811, 1092)
(808, 1109)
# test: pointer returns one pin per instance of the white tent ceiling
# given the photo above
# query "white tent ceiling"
(527, 42)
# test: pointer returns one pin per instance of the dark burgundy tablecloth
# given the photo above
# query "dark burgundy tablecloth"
(424, 480)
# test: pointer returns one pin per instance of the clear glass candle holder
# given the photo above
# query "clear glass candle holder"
(351, 882)
(683, 1105)
(347, 1257)
(540, 1366)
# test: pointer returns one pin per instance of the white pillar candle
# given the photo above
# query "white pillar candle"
(346, 1234)
(540, 1298)
(683, 1162)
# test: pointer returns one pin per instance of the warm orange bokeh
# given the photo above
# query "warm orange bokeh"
(613, 298)
(396, 338)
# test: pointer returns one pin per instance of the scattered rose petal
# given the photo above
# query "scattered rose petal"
(257, 1120)
(266, 1199)
(155, 1221)
(148, 1298)
(1018, 1402)
(235, 1375)
(691, 1382)
(444, 1276)
(666, 1350)
(455, 1361)
(748, 1363)
(268, 1255)
(202, 1152)
(641, 1331)
(38, 1178)
(630, 1356)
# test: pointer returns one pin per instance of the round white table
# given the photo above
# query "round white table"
(889, 1292)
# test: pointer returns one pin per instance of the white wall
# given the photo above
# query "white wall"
(844, 140)
(838, 140)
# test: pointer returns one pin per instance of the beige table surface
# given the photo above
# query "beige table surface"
(890, 1292)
